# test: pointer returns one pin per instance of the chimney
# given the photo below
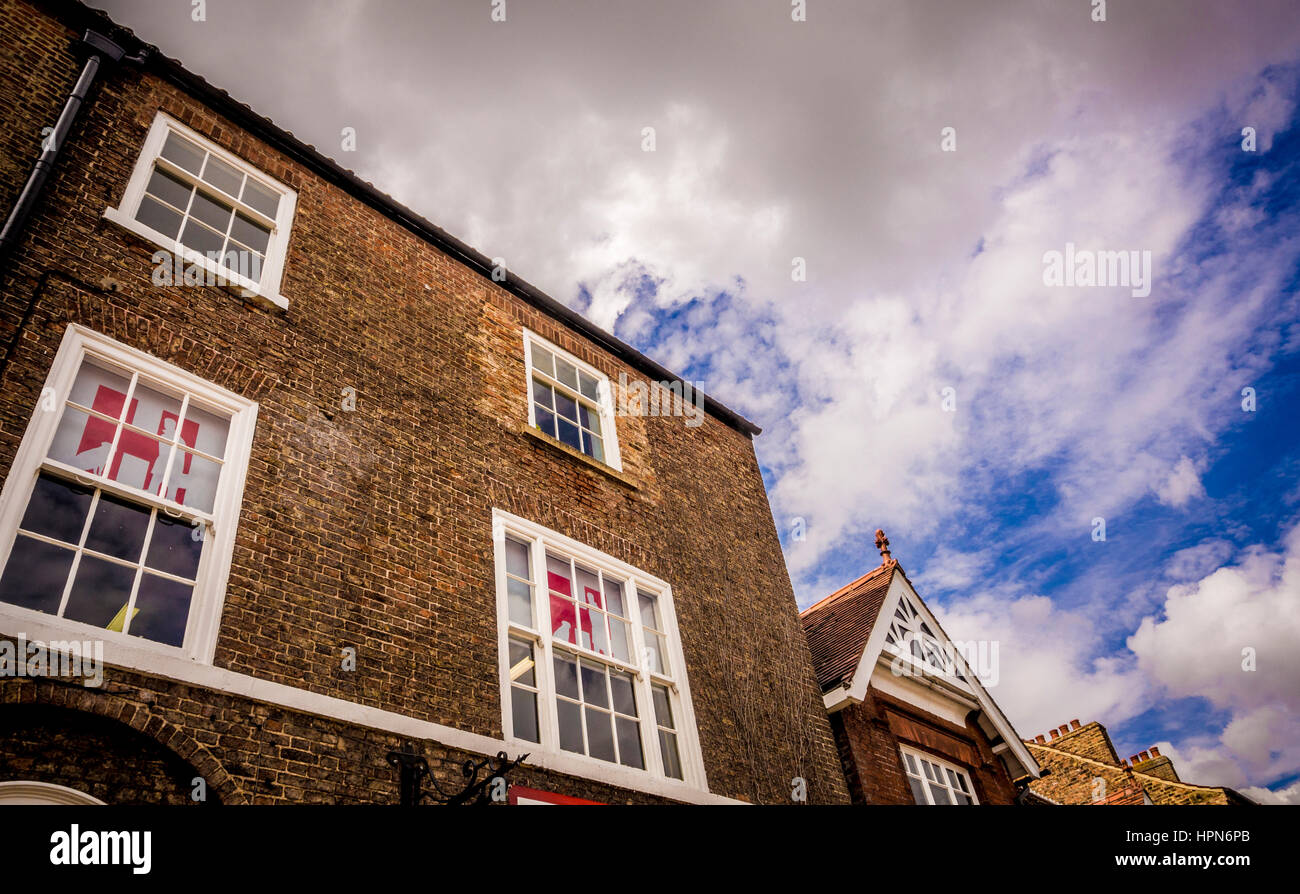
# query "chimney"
(1155, 752)
(1055, 734)
(1144, 756)
(1064, 728)
(1040, 739)
(1074, 724)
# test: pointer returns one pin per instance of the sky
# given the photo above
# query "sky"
(838, 227)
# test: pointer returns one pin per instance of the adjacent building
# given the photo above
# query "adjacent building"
(912, 720)
(319, 483)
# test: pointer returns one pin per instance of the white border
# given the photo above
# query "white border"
(580, 764)
(210, 586)
(605, 391)
(268, 289)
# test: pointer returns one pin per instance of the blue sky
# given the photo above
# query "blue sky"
(818, 143)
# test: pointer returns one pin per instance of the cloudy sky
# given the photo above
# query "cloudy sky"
(921, 376)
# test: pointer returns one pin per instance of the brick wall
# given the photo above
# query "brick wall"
(371, 529)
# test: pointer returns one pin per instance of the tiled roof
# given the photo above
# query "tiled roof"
(838, 626)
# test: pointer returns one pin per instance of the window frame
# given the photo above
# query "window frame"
(540, 540)
(221, 522)
(604, 391)
(943, 766)
(268, 287)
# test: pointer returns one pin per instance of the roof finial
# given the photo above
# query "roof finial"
(882, 544)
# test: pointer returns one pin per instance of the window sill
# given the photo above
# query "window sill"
(566, 450)
(234, 283)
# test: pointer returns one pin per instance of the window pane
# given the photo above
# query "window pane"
(519, 598)
(668, 749)
(261, 198)
(566, 677)
(663, 709)
(139, 460)
(181, 151)
(618, 639)
(918, 790)
(594, 636)
(614, 598)
(940, 794)
(204, 431)
(911, 765)
(57, 509)
(213, 213)
(175, 547)
(118, 528)
(629, 742)
(35, 575)
(202, 239)
(545, 420)
(517, 562)
(82, 441)
(169, 189)
(521, 663)
(568, 434)
(543, 361)
(158, 216)
(100, 387)
(563, 622)
(566, 407)
(587, 385)
(589, 418)
(566, 373)
(100, 593)
(570, 725)
(543, 394)
(594, 690)
(557, 576)
(523, 713)
(250, 233)
(592, 446)
(624, 694)
(154, 411)
(223, 176)
(647, 610)
(656, 658)
(162, 608)
(193, 481)
(600, 736)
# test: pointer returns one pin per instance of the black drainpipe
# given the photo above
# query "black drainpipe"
(99, 49)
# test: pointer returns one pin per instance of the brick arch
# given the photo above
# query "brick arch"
(135, 717)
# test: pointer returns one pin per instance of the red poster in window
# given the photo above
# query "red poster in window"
(145, 456)
(562, 613)
(520, 795)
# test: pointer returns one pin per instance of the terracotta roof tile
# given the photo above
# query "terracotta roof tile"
(838, 626)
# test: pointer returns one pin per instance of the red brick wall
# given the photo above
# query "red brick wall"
(371, 528)
(868, 736)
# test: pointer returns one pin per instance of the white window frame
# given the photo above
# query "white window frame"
(604, 391)
(221, 523)
(652, 778)
(267, 289)
(944, 766)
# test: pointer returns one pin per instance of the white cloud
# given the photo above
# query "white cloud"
(1182, 486)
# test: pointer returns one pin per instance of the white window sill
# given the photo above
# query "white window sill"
(233, 282)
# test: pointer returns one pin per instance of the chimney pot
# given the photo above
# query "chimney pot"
(1144, 756)
(1064, 728)
(1040, 739)
(1055, 734)
(1155, 752)
(1074, 724)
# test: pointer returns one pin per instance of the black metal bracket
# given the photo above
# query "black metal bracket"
(413, 769)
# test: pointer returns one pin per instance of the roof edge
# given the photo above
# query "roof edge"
(77, 16)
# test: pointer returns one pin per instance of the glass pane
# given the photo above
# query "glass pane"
(647, 610)
(568, 434)
(911, 765)
(566, 677)
(193, 481)
(589, 418)
(175, 547)
(589, 588)
(592, 447)
(557, 575)
(961, 781)
(100, 593)
(154, 411)
(35, 575)
(587, 385)
(614, 598)
(656, 658)
(930, 773)
(594, 636)
(918, 790)
(204, 431)
(668, 749)
(250, 233)
(517, 559)
(543, 394)
(600, 735)
(82, 441)
(566, 407)
(594, 689)
(519, 597)
(543, 361)
(213, 213)
(242, 260)
(158, 216)
(202, 239)
(261, 198)
(629, 742)
(566, 373)
(940, 794)
(139, 460)
(563, 622)
(170, 189)
(523, 713)
(162, 608)
(624, 694)
(57, 509)
(223, 176)
(100, 387)
(521, 663)
(118, 528)
(963, 799)
(181, 151)
(618, 639)
(663, 709)
(545, 421)
(952, 778)
(570, 725)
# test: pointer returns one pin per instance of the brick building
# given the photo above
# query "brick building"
(321, 482)
(1085, 769)
(912, 721)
